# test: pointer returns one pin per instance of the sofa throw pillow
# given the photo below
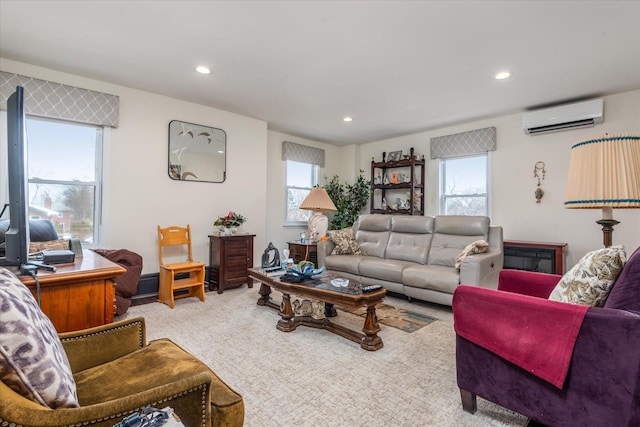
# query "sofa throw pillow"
(590, 280)
(32, 359)
(477, 247)
(345, 241)
(53, 245)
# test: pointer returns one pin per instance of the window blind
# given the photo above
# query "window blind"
(58, 101)
(302, 153)
(464, 144)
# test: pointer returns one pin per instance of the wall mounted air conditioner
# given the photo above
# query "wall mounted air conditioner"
(563, 117)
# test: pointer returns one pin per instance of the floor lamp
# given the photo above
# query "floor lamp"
(604, 172)
(318, 201)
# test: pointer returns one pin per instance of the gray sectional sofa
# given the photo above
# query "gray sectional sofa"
(415, 255)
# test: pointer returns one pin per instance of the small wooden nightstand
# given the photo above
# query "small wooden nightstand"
(301, 251)
(229, 258)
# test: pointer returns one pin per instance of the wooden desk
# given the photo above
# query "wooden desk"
(79, 295)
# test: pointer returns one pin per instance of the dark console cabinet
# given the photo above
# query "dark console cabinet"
(229, 259)
(545, 257)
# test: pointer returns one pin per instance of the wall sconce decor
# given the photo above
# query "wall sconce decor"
(539, 172)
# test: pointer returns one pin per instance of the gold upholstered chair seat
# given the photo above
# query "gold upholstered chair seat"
(117, 373)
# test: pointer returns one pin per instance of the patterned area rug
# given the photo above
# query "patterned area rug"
(399, 318)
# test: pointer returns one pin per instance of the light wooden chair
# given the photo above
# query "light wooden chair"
(187, 275)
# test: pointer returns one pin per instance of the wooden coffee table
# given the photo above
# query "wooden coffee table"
(320, 289)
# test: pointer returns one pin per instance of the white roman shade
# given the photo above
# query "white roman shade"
(302, 153)
(55, 100)
(464, 144)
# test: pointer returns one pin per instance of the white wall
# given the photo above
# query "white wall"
(513, 203)
(139, 195)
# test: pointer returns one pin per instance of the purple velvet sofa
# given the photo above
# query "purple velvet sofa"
(602, 386)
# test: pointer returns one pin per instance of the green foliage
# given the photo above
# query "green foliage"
(349, 200)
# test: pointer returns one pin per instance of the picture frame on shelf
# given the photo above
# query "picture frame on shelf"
(394, 156)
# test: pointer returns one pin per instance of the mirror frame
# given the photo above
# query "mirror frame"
(182, 135)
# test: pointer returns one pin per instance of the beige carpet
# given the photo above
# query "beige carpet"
(311, 377)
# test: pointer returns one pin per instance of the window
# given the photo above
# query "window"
(64, 175)
(301, 177)
(464, 183)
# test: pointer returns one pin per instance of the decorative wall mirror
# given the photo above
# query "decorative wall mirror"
(196, 152)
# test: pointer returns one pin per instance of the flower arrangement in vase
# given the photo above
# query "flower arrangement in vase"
(227, 224)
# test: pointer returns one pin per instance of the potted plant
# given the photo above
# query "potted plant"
(349, 200)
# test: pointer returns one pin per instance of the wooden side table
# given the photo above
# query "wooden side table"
(229, 259)
(301, 251)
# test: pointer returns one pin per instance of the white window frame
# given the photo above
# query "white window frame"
(315, 171)
(442, 196)
(97, 185)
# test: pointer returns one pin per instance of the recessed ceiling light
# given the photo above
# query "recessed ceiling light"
(203, 70)
(503, 75)
(348, 119)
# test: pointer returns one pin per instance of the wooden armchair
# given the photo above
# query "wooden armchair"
(187, 275)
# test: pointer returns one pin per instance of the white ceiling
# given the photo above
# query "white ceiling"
(396, 67)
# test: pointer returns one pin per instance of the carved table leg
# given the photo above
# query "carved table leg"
(288, 322)
(265, 294)
(371, 341)
(330, 310)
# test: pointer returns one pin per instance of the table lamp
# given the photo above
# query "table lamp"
(604, 172)
(318, 201)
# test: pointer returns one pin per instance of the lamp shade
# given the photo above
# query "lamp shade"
(318, 200)
(604, 172)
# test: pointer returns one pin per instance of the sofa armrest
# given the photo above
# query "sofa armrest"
(94, 346)
(528, 282)
(482, 269)
(533, 333)
(324, 249)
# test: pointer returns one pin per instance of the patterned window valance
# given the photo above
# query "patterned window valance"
(302, 153)
(464, 144)
(54, 100)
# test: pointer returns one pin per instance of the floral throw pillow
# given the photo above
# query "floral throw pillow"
(477, 247)
(345, 241)
(32, 360)
(589, 282)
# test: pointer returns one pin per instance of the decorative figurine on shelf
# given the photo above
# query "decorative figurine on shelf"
(377, 179)
(384, 203)
(385, 180)
(271, 257)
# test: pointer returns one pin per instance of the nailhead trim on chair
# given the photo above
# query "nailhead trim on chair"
(137, 324)
(203, 387)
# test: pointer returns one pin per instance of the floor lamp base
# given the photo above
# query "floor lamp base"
(607, 230)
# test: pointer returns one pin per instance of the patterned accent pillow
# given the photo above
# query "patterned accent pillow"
(32, 360)
(345, 241)
(59, 244)
(589, 282)
(477, 247)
